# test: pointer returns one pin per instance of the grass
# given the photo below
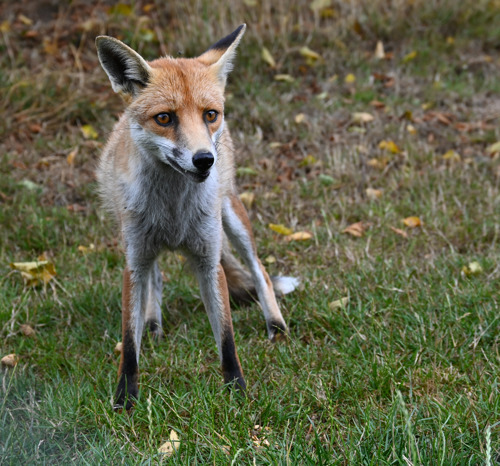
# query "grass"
(404, 372)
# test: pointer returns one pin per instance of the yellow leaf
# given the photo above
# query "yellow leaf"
(412, 222)
(411, 129)
(35, 272)
(474, 268)
(452, 156)
(373, 194)
(89, 132)
(299, 236)
(350, 78)
(379, 51)
(268, 58)
(494, 148)
(121, 9)
(270, 259)
(310, 55)
(317, 5)
(339, 303)
(389, 146)
(450, 40)
(25, 20)
(281, 229)
(118, 348)
(362, 117)
(356, 229)
(171, 445)
(71, 156)
(10, 360)
(247, 198)
(379, 163)
(5, 26)
(410, 56)
(299, 118)
(87, 249)
(284, 77)
(308, 160)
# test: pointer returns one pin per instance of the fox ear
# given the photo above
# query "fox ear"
(126, 69)
(220, 55)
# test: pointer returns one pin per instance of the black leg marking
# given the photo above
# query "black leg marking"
(128, 389)
(277, 330)
(231, 367)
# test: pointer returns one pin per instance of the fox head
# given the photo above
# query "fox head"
(176, 109)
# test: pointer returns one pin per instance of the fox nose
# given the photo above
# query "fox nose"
(203, 160)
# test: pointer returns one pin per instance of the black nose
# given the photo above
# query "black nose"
(203, 160)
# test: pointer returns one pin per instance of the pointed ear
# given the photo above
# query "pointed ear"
(220, 55)
(126, 69)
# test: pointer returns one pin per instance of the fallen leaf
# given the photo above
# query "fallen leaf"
(118, 348)
(25, 20)
(246, 171)
(87, 249)
(71, 156)
(452, 156)
(380, 162)
(299, 236)
(284, 77)
(339, 303)
(399, 232)
(171, 445)
(474, 268)
(410, 56)
(356, 229)
(362, 117)
(299, 118)
(270, 259)
(350, 78)
(373, 194)
(411, 129)
(89, 132)
(281, 229)
(247, 198)
(412, 222)
(268, 58)
(389, 146)
(35, 272)
(494, 148)
(311, 56)
(308, 160)
(27, 330)
(379, 51)
(10, 360)
(317, 5)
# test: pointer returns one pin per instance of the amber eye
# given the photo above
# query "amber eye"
(163, 119)
(211, 116)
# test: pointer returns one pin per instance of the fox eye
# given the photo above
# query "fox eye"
(163, 119)
(211, 116)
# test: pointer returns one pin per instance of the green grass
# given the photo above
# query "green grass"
(406, 372)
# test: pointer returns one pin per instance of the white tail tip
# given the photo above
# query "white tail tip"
(285, 285)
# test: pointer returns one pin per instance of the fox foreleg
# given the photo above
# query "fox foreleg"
(215, 296)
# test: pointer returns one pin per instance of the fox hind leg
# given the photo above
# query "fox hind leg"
(238, 229)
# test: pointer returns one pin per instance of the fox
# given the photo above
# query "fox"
(167, 176)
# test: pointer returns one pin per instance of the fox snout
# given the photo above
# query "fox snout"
(203, 161)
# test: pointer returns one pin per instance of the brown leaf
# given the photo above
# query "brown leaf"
(299, 236)
(10, 360)
(399, 232)
(27, 330)
(412, 222)
(356, 229)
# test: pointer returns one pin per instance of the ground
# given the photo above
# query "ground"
(371, 128)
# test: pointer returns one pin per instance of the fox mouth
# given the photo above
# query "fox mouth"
(197, 176)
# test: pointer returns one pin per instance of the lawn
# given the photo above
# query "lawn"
(371, 127)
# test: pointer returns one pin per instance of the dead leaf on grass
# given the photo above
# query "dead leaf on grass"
(362, 117)
(247, 198)
(10, 360)
(356, 229)
(27, 330)
(339, 303)
(389, 146)
(281, 229)
(494, 148)
(474, 268)
(299, 236)
(399, 232)
(171, 445)
(373, 194)
(268, 58)
(35, 273)
(89, 132)
(350, 79)
(412, 222)
(452, 156)
(379, 51)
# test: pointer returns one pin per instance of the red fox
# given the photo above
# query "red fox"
(167, 176)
